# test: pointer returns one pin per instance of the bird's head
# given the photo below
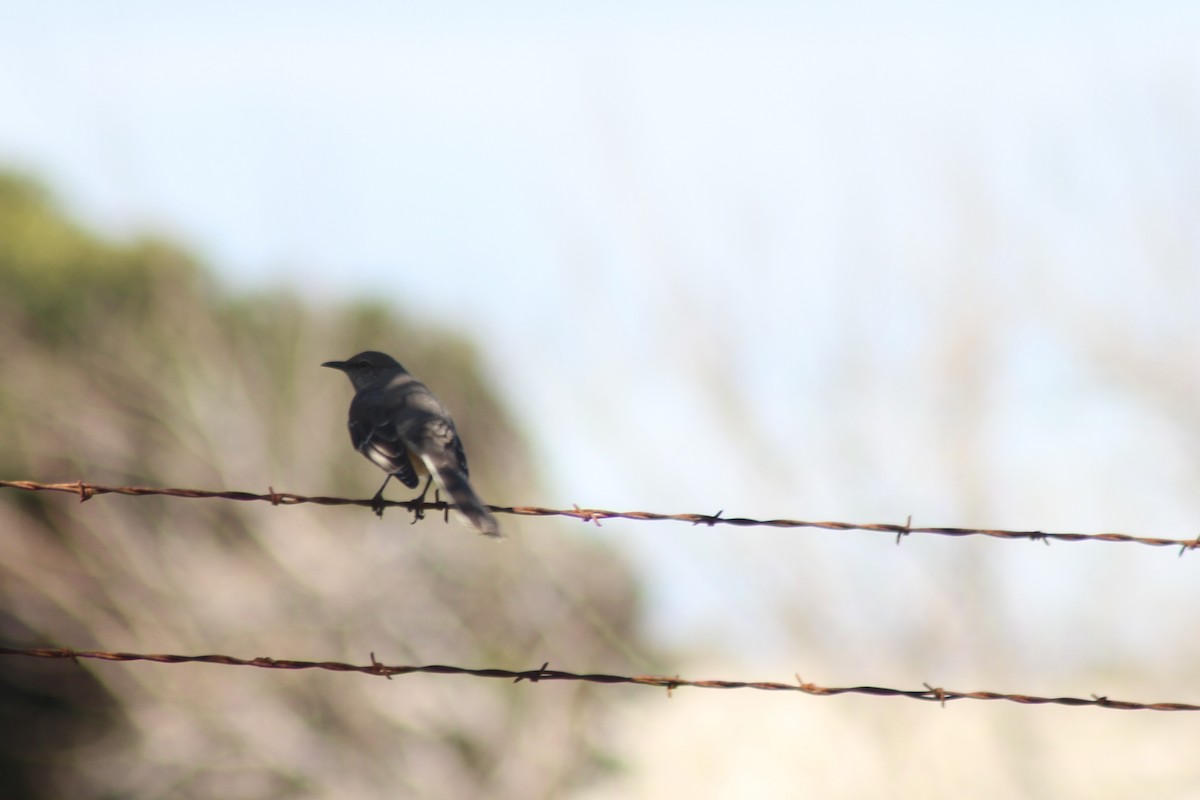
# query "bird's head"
(367, 367)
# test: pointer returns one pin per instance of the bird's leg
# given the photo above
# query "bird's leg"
(418, 503)
(377, 500)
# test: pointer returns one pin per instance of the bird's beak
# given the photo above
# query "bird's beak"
(335, 365)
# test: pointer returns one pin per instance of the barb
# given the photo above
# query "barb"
(929, 694)
(86, 491)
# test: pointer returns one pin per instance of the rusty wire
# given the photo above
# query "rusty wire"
(544, 673)
(86, 491)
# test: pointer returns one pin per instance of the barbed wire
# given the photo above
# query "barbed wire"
(544, 673)
(86, 491)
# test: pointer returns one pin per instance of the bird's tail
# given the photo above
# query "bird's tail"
(453, 481)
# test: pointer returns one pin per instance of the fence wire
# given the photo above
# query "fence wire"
(85, 491)
(544, 673)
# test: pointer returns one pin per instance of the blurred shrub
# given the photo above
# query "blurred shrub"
(127, 363)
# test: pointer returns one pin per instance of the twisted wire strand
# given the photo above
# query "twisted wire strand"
(85, 491)
(544, 673)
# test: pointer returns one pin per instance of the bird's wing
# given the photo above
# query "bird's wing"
(460, 454)
(434, 435)
(437, 444)
(382, 445)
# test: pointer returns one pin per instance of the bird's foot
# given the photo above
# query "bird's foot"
(417, 507)
(417, 504)
(378, 504)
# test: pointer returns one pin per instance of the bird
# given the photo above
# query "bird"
(402, 428)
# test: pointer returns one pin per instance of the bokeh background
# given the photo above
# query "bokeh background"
(851, 261)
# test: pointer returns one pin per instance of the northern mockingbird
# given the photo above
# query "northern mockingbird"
(397, 423)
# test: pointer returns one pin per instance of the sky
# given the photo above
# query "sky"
(820, 261)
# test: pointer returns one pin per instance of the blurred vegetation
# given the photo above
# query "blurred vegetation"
(127, 363)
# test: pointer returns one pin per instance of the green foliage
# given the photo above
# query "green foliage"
(61, 280)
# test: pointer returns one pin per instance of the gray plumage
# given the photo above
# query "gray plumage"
(398, 424)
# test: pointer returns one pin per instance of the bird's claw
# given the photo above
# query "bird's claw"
(417, 507)
(378, 504)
